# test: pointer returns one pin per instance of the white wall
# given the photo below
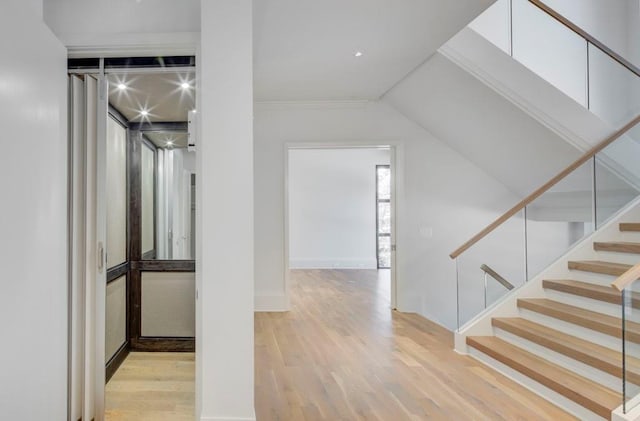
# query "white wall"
(436, 188)
(224, 214)
(332, 207)
(33, 181)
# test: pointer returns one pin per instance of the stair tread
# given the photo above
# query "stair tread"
(629, 226)
(617, 246)
(591, 395)
(599, 322)
(598, 356)
(598, 266)
(589, 290)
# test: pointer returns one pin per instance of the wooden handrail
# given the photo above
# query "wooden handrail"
(627, 278)
(542, 189)
(495, 275)
(587, 36)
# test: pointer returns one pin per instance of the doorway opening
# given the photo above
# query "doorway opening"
(134, 169)
(340, 216)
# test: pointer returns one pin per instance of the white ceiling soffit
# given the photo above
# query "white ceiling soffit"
(305, 49)
(168, 139)
(160, 94)
(482, 126)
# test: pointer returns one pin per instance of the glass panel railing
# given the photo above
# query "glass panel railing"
(549, 49)
(546, 225)
(495, 24)
(617, 178)
(559, 218)
(613, 89)
(565, 54)
(503, 251)
(631, 347)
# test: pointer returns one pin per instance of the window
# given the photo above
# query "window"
(383, 216)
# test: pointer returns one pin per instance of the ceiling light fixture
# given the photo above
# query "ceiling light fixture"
(358, 54)
(122, 86)
(169, 142)
(185, 85)
(144, 113)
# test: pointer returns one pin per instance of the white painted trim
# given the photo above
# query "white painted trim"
(271, 303)
(313, 105)
(619, 415)
(128, 44)
(227, 419)
(333, 264)
(397, 172)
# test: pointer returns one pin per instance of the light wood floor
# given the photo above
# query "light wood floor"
(341, 354)
(152, 386)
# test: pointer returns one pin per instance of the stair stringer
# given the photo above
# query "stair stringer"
(541, 100)
(583, 250)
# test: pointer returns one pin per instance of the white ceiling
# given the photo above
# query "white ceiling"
(159, 93)
(304, 50)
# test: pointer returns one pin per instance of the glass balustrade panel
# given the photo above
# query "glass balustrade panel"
(614, 91)
(617, 177)
(503, 251)
(559, 218)
(631, 356)
(550, 49)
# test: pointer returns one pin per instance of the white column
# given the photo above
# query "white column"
(224, 268)
(33, 222)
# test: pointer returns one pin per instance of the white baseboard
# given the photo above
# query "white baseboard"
(333, 264)
(270, 303)
(229, 418)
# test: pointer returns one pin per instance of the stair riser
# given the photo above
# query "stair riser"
(585, 370)
(614, 310)
(610, 256)
(573, 330)
(548, 394)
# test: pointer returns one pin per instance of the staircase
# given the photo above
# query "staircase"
(566, 342)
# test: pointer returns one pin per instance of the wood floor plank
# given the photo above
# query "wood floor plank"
(151, 386)
(342, 354)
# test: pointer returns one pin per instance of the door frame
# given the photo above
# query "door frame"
(396, 154)
(91, 311)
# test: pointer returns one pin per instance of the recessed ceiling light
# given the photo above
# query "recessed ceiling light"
(144, 113)
(122, 86)
(358, 54)
(185, 85)
(169, 142)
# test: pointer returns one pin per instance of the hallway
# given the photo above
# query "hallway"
(341, 354)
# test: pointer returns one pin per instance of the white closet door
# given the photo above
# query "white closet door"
(88, 104)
